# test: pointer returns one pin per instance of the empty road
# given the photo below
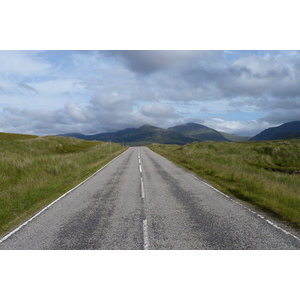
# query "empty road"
(142, 201)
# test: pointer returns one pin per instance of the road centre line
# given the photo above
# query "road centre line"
(58, 199)
(142, 188)
(146, 235)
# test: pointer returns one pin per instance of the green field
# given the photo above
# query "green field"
(37, 170)
(265, 174)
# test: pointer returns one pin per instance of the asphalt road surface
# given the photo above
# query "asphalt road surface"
(142, 201)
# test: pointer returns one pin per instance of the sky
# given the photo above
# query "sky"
(62, 91)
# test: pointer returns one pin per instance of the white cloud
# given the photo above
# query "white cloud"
(58, 86)
(237, 127)
(22, 63)
(159, 110)
(75, 112)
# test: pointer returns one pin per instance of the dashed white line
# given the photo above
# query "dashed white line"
(142, 188)
(146, 235)
(145, 224)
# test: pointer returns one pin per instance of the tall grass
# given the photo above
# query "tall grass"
(263, 173)
(36, 170)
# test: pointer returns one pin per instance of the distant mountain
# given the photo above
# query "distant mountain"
(147, 134)
(284, 131)
(199, 132)
(234, 137)
(143, 135)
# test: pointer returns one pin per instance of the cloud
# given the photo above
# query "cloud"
(242, 128)
(279, 117)
(271, 74)
(27, 87)
(117, 111)
(147, 61)
(22, 63)
(159, 110)
(75, 112)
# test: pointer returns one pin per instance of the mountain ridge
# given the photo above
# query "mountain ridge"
(283, 131)
(187, 133)
(199, 132)
(148, 134)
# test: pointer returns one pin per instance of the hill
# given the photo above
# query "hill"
(284, 131)
(35, 171)
(15, 136)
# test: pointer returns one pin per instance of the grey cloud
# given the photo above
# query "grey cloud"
(278, 118)
(151, 61)
(43, 116)
(248, 76)
(117, 111)
(27, 87)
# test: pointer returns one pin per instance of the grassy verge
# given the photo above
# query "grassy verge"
(37, 170)
(266, 174)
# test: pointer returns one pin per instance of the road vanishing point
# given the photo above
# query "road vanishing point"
(141, 201)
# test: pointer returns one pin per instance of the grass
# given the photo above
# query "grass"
(37, 170)
(265, 174)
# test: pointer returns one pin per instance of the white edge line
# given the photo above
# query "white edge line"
(285, 231)
(252, 211)
(216, 190)
(146, 235)
(257, 214)
(49, 205)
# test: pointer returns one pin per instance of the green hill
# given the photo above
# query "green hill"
(15, 136)
(37, 170)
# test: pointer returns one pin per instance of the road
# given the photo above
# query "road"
(143, 201)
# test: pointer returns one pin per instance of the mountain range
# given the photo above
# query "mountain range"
(147, 134)
(186, 133)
